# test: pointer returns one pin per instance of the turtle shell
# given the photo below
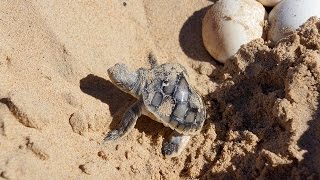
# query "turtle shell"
(169, 97)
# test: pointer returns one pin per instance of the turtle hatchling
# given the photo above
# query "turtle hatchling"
(164, 94)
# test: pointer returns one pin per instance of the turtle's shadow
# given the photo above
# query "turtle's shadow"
(118, 102)
(108, 93)
(151, 127)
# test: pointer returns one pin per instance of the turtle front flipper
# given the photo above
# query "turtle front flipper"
(175, 145)
(127, 123)
(152, 60)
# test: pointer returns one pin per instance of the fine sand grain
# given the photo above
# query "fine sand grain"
(57, 101)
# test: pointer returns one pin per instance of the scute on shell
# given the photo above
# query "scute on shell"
(168, 95)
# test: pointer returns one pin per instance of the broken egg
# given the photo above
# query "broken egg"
(288, 15)
(228, 24)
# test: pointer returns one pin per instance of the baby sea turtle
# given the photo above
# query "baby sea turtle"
(165, 95)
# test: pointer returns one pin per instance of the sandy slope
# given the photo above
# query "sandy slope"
(57, 101)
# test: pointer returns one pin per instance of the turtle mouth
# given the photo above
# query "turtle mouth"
(121, 77)
(116, 75)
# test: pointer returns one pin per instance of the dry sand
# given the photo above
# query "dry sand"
(57, 102)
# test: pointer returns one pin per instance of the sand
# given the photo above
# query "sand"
(57, 101)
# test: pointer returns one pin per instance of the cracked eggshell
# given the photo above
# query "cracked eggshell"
(269, 3)
(288, 15)
(228, 24)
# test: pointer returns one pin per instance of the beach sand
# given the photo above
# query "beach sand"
(57, 101)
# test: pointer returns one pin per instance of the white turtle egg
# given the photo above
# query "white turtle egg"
(288, 15)
(269, 3)
(228, 24)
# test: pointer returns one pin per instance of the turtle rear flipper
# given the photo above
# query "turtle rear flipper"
(175, 145)
(127, 123)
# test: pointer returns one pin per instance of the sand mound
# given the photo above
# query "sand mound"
(56, 101)
(266, 110)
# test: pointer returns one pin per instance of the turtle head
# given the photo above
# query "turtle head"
(124, 79)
